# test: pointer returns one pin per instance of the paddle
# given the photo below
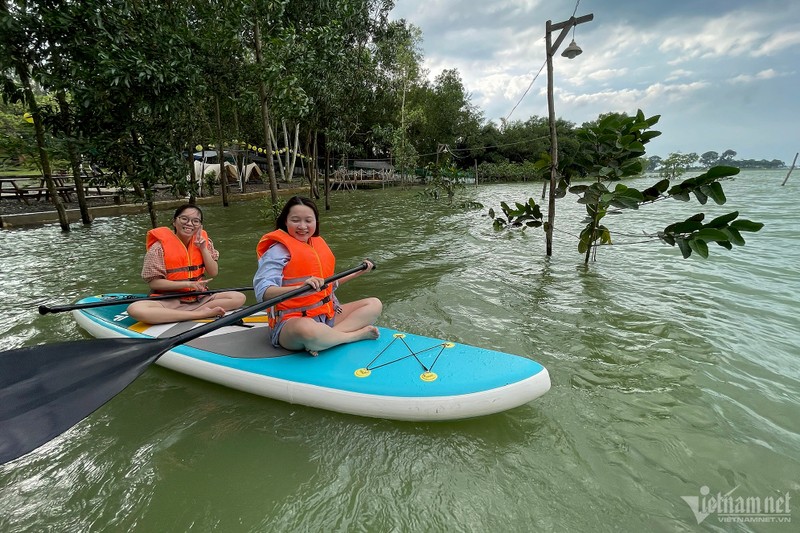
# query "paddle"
(44, 309)
(45, 390)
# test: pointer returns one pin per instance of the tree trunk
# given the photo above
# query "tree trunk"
(312, 164)
(289, 173)
(274, 148)
(45, 159)
(74, 158)
(290, 165)
(146, 187)
(262, 92)
(327, 179)
(223, 176)
(25, 79)
(193, 179)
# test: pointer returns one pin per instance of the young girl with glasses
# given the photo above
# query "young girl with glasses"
(177, 260)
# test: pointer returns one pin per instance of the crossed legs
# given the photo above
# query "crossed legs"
(354, 323)
(160, 312)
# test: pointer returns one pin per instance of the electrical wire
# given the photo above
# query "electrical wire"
(540, 70)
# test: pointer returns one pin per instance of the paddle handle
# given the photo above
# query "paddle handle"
(234, 318)
(44, 309)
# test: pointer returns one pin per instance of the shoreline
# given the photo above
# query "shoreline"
(28, 215)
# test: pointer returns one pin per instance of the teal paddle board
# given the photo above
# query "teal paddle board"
(399, 376)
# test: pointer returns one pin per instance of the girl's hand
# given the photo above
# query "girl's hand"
(315, 283)
(199, 240)
(199, 285)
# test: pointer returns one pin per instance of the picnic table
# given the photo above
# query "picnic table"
(42, 192)
(10, 187)
(23, 188)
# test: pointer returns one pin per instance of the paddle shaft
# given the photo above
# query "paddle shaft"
(44, 309)
(233, 318)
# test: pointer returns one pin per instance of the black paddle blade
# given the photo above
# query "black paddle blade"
(45, 390)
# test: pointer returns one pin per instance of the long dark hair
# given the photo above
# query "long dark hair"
(280, 223)
(184, 207)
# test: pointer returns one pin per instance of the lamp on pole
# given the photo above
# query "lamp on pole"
(570, 52)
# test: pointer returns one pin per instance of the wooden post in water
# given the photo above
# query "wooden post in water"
(790, 170)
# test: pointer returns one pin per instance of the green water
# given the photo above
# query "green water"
(669, 375)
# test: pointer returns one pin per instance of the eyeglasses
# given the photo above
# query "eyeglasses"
(192, 221)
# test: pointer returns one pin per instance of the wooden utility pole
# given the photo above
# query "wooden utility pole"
(790, 170)
(552, 49)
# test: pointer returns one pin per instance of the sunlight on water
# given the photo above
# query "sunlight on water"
(668, 375)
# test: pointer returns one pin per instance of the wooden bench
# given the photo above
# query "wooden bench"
(65, 191)
(95, 190)
(103, 195)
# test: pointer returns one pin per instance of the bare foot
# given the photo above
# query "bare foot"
(367, 332)
(211, 312)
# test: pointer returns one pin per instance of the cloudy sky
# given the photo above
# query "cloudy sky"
(723, 74)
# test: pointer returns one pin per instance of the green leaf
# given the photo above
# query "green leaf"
(711, 234)
(605, 235)
(746, 225)
(700, 247)
(687, 226)
(701, 197)
(722, 221)
(636, 147)
(716, 193)
(682, 196)
(721, 171)
(686, 250)
(734, 236)
(623, 202)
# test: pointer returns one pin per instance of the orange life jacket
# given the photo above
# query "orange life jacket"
(306, 260)
(181, 263)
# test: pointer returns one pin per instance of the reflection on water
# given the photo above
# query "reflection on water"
(668, 375)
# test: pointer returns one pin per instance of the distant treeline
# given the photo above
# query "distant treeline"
(708, 160)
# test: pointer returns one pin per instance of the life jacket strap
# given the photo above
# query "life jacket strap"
(303, 310)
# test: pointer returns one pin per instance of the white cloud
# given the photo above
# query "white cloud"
(678, 74)
(767, 74)
(714, 72)
(778, 43)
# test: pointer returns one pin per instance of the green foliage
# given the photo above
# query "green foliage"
(506, 171)
(527, 215)
(272, 210)
(675, 165)
(445, 181)
(613, 148)
(689, 235)
(692, 235)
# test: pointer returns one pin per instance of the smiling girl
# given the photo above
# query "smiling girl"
(294, 255)
(176, 261)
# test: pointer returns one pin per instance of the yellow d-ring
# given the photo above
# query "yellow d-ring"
(449, 344)
(399, 335)
(428, 376)
(362, 372)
